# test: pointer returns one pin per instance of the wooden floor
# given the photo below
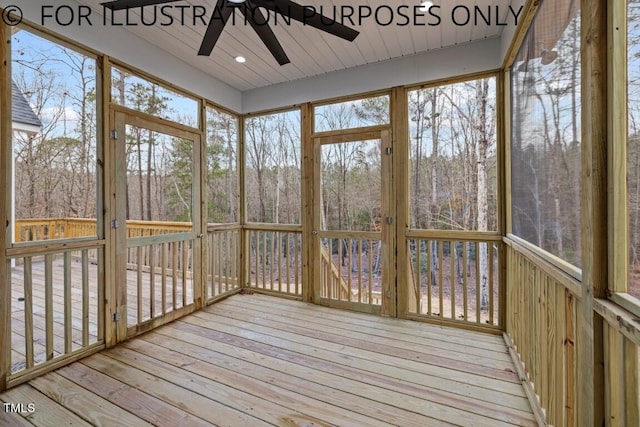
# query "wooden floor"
(255, 360)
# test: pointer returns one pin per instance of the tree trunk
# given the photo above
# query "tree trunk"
(482, 89)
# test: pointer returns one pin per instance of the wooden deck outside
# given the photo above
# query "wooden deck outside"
(260, 360)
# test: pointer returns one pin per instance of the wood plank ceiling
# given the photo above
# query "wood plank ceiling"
(313, 52)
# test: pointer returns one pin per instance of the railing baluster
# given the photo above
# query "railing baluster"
(68, 304)
(370, 287)
(235, 257)
(174, 277)
(360, 244)
(48, 304)
(164, 278)
(297, 247)
(452, 283)
(478, 280)
(221, 267)
(227, 263)
(465, 273)
(417, 276)
(152, 282)
(264, 260)
(185, 270)
(85, 298)
(278, 249)
(28, 312)
(287, 261)
(440, 276)
(139, 282)
(490, 279)
(430, 275)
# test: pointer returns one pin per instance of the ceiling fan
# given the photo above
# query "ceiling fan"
(255, 17)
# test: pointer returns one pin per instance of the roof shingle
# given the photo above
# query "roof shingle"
(21, 110)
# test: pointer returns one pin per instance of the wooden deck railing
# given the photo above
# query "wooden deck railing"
(31, 230)
(542, 330)
(55, 306)
(456, 277)
(333, 283)
(275, 258)
(621, 363)
(223, 260)
(351, 267)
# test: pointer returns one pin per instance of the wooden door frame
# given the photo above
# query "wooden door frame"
(120, 117)
(387, 205)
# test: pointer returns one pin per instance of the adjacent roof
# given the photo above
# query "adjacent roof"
(21, 110)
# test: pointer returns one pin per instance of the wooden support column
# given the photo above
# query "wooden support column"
(245, 246)
(109, 207)
(617, 137)
(201, 264)
(308, 200)
(407, 300)
(589, 354)
(504, 184)
(5, 202)
(199, 219)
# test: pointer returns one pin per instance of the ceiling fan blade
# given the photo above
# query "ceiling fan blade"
(309, 17)
(217, 22)
(124, 4)
(261, 26)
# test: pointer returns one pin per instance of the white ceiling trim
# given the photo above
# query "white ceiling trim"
(259, 88)
(463, 59)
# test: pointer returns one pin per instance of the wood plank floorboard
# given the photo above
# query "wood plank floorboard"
(253, 360)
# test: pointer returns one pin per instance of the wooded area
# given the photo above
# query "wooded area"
(55, 170)
(545, 139)
(453, 178)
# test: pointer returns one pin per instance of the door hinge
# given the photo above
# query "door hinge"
(116, 317)
(389, 220)
(115, 223)
(389, 294)
(114, 134)
(389, 151)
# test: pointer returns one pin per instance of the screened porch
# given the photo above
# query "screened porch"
(406, 230)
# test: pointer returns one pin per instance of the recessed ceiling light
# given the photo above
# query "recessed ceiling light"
(241, 59)
(425, 6)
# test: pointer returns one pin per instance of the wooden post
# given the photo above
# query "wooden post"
(199, 219)
(308, 200)
(201, 264)
(109, 208)
(118, 302)
(245, 247)
(389, 278)
(103, 83)
(406, 295)
(5, 202)
(504, 186)
(589, 354)
(617, 136)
